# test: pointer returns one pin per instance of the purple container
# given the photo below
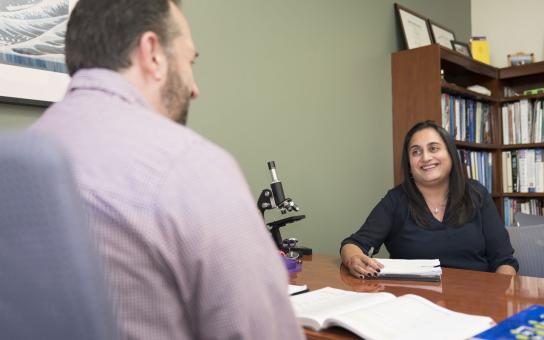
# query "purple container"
(292, 265)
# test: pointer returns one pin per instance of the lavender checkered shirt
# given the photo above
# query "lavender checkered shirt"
(186, 252)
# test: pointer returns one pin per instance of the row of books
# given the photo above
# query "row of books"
(466, 119)
(533, 206)
(478, 165)
(523, 122)
(523, 170)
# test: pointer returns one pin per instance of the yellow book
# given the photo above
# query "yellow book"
(480, 50)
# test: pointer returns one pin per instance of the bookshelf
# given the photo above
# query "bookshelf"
(417, 88)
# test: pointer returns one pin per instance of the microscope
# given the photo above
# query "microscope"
(275, 198)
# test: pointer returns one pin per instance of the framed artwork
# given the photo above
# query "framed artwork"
(32, 68)
(461, 47)
(520, 58)
(441, 35)
(414, 27)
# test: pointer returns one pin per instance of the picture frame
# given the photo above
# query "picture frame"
(32, 67)
(461, 47)
(520, 58)
(441, 35)
(415, 28)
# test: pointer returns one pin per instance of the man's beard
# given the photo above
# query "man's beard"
(175, 95)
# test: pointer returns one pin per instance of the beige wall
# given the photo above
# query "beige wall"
(510, 26)
(306, 83)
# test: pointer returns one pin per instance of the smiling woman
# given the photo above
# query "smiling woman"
(436, 213)
(434, 175)
(430, 165)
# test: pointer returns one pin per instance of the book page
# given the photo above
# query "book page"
(314, 307)
(411, 317)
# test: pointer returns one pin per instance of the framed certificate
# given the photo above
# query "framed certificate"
(461, 47)
(441, 35)
(414, 27)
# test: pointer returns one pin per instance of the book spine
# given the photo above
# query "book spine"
(506, 209)
(514, 157)
(478, 127)
(444, 111)
(457, 118)
(504, 172)
(522, 171)
(511, 124)
(452, 116)
(524, 120)
(489, 172)
(509, 186)
(487, 123)
(530, 163)
(505, 125)
(539, 171)
(517, 122)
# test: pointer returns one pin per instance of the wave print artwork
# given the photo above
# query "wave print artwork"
(32, 33)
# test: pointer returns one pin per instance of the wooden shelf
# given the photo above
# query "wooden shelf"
(522, 146)
(518, 98)
(418, 83)
(524, 194)
(522, 70)
(468, 63)
(456, 89)
(476, 146)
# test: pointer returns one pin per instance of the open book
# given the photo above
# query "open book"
(376, 316)
(419, 270)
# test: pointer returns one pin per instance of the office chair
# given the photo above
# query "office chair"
(51, 283)
(522, 219)
(528, 244)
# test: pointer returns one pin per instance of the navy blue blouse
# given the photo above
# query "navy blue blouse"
(481, 244)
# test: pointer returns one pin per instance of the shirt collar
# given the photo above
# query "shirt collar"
(107, 81)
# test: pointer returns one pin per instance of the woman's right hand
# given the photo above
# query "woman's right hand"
(359, 264)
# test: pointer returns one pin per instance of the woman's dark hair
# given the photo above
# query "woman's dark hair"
(461, 207)
(103, 33)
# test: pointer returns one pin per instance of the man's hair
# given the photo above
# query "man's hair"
(103, 33)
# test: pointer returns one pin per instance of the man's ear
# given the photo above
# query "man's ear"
(151, 56)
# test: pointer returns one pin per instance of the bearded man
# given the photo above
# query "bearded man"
(168, 207)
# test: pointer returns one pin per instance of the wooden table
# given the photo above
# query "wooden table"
(494, 295)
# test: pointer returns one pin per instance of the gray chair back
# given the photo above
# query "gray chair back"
(522, 220)
(51, 282)
(528, 244)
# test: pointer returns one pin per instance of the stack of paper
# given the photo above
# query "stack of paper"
(420, 270)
